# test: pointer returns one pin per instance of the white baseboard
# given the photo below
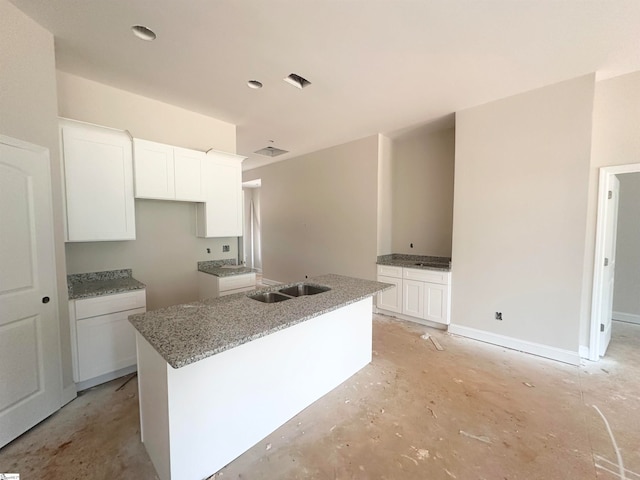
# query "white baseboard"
(626, 317)
(69, 393)
(546, 351)
(266, 281)
(107, 377)
(583, 351)
(409, 318)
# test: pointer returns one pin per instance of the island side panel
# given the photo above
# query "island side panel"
(221, 406)
(154, 409)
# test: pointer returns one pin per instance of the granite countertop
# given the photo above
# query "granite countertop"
(410, 261)
(184, 334)
(223, 268)
(95, 284)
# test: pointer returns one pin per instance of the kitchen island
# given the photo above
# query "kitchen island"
(217, 376)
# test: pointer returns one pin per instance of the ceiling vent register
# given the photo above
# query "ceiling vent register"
(271, 151)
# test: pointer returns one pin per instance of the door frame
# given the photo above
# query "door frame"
(598, 265)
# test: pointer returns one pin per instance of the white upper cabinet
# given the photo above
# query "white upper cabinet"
(221, 214)
(98, 181)
(165, 172)
(188, 174)
(153, 167)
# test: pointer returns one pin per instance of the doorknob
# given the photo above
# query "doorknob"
(45, 299)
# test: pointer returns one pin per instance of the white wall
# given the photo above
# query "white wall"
(385, 195)
(422, 179)
(616, 141)
(165, 253)
(520, 207)
(319, 212)
(28, 111)
(626, 298)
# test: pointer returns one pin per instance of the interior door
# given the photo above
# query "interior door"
(611, 228)
(30, 365)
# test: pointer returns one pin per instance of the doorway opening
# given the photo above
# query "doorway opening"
(616, 278)
(252, 238)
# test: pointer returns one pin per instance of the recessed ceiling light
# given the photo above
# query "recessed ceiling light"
(297, 81)
(143, 33)
(254, 84)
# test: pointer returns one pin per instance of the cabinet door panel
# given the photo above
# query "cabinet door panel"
(413, 298)
(435, 302)
(391, 299)
(154, 170)
(221, 214)
(188, 174)
(98, 184)
(105, 344)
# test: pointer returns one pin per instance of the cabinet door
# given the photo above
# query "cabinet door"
(391, 299)
(98, 176)
(154, 170)
(413, 298)
(221, 214)
(436, 302)
(105, 344)
(187, 166)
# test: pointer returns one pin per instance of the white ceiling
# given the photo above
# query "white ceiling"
(375, 65)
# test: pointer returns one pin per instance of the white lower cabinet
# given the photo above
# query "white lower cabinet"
(102, 339)
(436, 300)
(418, 293)
(413, 298)
(390, 300)
(212, 286)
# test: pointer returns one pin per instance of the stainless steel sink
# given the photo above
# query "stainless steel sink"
(303, 289)
(269, 297)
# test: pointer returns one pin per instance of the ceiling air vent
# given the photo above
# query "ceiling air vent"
(297, 81)
(271, 151)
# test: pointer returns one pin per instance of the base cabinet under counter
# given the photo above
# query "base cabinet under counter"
(419, 295)
(102, 339)
(212, 286)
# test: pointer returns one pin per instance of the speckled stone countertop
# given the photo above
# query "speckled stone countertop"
(416, 261)
(184, 334)
(223, 268)
(95, 284)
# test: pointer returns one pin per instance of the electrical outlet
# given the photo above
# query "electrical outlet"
(411, 245)
(225, 248)
(498, 315)
(208, 250)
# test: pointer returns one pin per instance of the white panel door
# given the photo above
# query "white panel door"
(188, 174)
(30, 365)
(390, 300)
(413, 298)
(611, 225)
(153, 170)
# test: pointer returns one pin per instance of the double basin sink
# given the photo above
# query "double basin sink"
(298, 290)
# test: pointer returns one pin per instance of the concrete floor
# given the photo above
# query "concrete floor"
(472, 411)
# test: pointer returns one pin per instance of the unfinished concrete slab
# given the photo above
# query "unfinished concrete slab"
(469, 411)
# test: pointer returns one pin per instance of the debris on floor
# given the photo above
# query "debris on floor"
(528, 384)
(436, 344)
(480, 438)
